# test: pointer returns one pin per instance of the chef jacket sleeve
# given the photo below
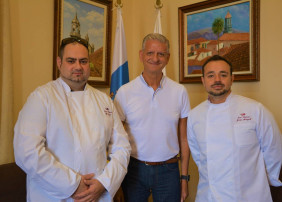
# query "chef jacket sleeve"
(120, 102)
(119, 152)
(32, 155)
(271, 145)
(192, 142)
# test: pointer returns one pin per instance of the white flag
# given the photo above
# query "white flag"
(158, 24)
(158, 29)
(120, 63)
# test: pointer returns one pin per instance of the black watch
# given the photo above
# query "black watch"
(185, 177)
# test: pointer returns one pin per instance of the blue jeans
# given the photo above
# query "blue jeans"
(162, 181)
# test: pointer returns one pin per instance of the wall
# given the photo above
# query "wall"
(265, 91)
(270, 65)
(32, 46)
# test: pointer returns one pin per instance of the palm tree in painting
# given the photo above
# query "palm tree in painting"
(217, 28)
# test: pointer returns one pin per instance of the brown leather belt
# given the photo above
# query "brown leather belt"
(172, 160)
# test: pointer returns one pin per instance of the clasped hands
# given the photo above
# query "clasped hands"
(88, 189)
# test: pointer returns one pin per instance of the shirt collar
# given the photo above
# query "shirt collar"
(161, 82)
(66, 86)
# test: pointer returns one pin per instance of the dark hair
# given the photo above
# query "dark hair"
(217, 58)
(69, 40)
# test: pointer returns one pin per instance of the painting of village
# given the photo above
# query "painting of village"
(87, 20)
(224, 31)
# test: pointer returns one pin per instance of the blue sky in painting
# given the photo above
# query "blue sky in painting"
(91, 20)
(239, 12)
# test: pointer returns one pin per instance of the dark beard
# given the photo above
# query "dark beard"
(77, 80)
(219, 93)
(74, 80)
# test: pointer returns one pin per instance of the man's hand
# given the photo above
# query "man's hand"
(82, 186)
(93, 193)
(184, 190)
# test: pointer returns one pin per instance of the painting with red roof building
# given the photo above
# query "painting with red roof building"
(218, 28)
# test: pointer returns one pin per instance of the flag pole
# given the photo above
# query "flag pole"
(158, 24)
(158, 4)
(118, 4)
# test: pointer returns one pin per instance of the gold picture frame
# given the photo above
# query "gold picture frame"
(91, 20)
(229, 28)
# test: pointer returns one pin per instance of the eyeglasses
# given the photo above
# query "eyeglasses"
(69, 40)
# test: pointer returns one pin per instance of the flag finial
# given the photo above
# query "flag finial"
(158, 4)
(118, 4)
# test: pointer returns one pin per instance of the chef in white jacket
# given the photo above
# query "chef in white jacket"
(65, 132)
(234, 141)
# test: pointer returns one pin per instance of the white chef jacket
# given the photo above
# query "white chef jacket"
(238, 150)
(61, 134)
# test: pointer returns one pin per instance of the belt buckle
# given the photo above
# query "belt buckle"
(146, 163)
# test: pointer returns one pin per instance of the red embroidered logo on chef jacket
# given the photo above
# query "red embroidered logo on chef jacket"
(107, 111)
(244, 117)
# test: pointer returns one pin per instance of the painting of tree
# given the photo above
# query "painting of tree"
(217, 28)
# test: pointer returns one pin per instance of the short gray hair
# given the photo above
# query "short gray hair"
(155, 36)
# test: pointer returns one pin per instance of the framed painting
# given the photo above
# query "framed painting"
(90, 20)
(229, 28)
